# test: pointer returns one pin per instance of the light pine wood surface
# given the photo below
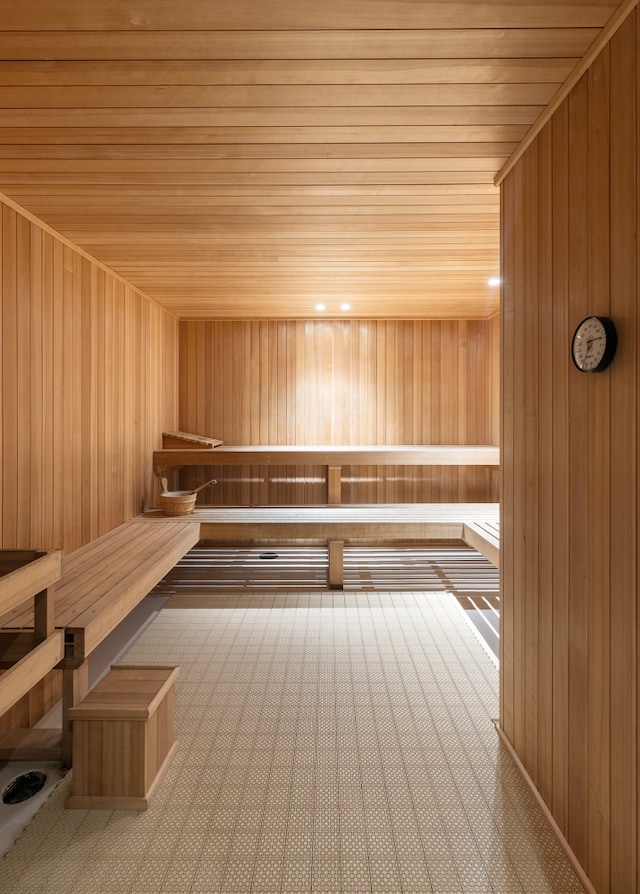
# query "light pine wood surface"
(88, 370)
(243, 163)
(569, 547)
(376, 382)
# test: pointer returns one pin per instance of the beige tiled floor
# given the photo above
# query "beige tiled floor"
(328, 743)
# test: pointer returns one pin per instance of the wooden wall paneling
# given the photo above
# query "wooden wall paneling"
(438, 408)
(36, 391)
(58, 328)
(494, 393)
(544, 521)
(87, 400)
(579, 474)
(624, 419)
(70, 384)
(337, 381)
(559, 520)
(48, 367)
(580, 582)
(530, 428)
(75, 454)
(110, 403)
(519, 594)
(102, 306)
(2, 372)
(122, 421)
(9, 379)
(23, 375)
(507, 508)
(599, 418)
(200, 359)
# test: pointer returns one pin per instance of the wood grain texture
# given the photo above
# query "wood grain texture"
(338, 382)
(88, 382)
(243, 163)
(569, 446)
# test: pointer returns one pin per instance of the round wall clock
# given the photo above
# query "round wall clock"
(594, 344)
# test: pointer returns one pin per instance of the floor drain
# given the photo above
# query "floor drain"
(24, 787)
(268, 555)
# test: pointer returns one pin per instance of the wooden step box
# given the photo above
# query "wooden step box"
(123, 738)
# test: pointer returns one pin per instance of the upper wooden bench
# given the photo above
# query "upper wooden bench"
(334, 458)
(102, 582)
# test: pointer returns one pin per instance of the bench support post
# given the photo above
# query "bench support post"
(44, 609)
(334, 484)
(336, 564)
(75, 686)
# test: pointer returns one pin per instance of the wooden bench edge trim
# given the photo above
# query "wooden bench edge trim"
(357, 455)
(19, 744)
(487, 546)
(40, 574)
(24, 674)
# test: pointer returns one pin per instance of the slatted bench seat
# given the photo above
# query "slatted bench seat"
(102, 583)
(382, 523)
(485, 537)
(333, 458)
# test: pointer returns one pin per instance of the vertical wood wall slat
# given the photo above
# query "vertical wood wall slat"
(624, 477)
(82, 356)
(340, 382)
(569, 550)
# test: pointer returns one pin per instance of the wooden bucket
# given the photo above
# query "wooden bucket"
(177, 502)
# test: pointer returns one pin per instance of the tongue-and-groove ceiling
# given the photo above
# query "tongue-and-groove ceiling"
(252, 158)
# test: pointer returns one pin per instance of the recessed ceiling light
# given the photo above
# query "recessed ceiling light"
(345, 306)
(321, 307)
(494, 281)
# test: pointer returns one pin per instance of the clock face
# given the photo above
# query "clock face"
(594, 344)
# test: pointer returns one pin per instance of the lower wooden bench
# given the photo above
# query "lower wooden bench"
(381, 523)
(123, 738)
(485, 537)
(102, 583)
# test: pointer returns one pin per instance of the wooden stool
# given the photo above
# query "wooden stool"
(123, 738)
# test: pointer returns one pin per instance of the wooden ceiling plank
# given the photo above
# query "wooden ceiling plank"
(207, 183)
(198, 193)
(285, 71)
(457, 43)
(172, 99)
(501, 133)
(269, 15)
(267, 153)
(276, 119)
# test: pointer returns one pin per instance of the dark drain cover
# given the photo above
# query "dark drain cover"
(24, 787)
(268, 555)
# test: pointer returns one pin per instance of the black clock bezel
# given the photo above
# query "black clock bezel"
(611, 343)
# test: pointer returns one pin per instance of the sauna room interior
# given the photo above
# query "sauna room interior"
(346, 226)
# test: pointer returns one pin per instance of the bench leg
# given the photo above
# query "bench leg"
(334, 484)
(75, 685)
(44, 611)
(336, 564)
